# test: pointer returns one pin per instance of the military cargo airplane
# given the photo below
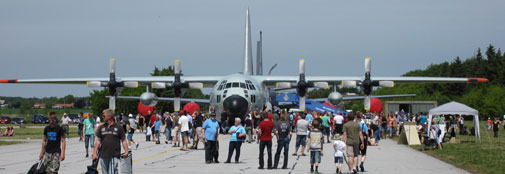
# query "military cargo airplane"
(241, 92)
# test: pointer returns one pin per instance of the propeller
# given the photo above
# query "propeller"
(367, 83)
(302, 85)
(177, 85)
(115, 86)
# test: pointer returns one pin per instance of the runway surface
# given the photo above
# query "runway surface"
(389, 157)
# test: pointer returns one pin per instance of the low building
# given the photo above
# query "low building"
(3, 103)
(62, 106)
(412, 107)
(39, 106)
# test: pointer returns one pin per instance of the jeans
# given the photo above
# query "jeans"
(109, 165)
(234, 145)
(89, 139)
(157, 134)
(211, 151)
(283, 143)
(377, 135)
(268, 145)
(168, 132)
(248, 130)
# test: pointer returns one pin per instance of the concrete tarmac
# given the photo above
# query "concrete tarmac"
(389, 157)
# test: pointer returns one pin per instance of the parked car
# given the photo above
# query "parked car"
(19, 120)
(5, 119)
(74, 118)
(38, 119)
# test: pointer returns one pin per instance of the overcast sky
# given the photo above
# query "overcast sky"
(60, 38)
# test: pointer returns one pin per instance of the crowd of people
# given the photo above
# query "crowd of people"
(348, 133)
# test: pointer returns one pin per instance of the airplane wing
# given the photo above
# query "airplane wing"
(208, 81)
(271, 81)
(363, 97)
(185, 100)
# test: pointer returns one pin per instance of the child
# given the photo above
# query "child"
(339, 147)
(131, 130)
(315, 140)
(157, 125)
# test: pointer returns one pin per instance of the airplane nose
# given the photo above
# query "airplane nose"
(236, 105)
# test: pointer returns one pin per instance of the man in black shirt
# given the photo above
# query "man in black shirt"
(282, 130)
(197, 125)
(110, 135)
(54, 136)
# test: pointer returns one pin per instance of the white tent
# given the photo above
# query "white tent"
(455, 108)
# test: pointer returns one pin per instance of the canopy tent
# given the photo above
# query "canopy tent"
(455, 108)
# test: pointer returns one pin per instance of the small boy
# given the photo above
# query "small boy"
(339, 147)
(157, 126)
(315, 140)
(131, 130)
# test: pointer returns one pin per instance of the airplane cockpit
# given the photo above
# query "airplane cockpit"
(245, 85)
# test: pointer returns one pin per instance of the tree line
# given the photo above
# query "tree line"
(487, 98)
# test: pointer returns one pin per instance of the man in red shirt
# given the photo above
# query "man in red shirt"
(265, 134)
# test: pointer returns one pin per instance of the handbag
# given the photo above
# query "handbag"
(38, 168)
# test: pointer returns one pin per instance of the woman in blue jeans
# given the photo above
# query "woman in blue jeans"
(168, 128)
(237, 131)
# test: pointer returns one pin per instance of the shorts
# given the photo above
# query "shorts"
(339, 160)
(301, 140)
(363, 151)
(129, 136)
(175, 132)
(326, 130)
(52, 162)
(198, 133)
(185, 133)
(315, 157)
(338, 128)
(352, 150)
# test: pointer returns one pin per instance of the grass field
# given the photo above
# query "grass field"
(487, 156)
(34, 133)
(28, 113)
(2, 143)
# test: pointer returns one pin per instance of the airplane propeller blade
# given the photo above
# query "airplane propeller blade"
(301, 66)
(302, 103)
(284, 85)
(159, 85)
(112, 102)
(131, 84)
(177, 66)
(320, 84)
(177, 104)
(347, 84)
(367, 103)
(368, 65)
(112, 65)
(94, 84)
(386, 83)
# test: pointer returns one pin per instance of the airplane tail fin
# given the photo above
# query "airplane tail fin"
(248, 62)
(259, 56)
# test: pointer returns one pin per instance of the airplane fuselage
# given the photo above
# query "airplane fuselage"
(238, 94)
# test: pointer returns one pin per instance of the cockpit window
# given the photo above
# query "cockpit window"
(235, 84)
(242, 85)
(250, 85)
(222, 85)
